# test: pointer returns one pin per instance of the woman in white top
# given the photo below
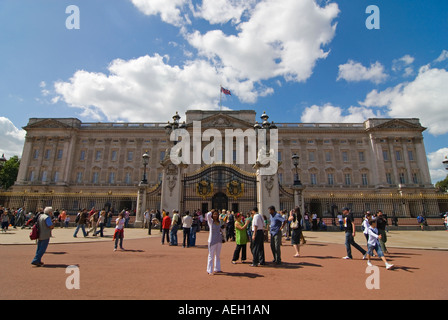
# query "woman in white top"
(119, 231)
(215, 240)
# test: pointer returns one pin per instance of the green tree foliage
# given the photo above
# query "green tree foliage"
(443, 185)
(8, 173)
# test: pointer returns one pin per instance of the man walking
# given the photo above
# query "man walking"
(45, 225)
(277, 224)
(258, 239)
(349, 225)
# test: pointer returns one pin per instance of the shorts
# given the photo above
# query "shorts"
(377, 248)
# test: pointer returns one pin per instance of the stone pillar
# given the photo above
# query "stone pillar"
(141, 203)
(268, 193)
(171, 185)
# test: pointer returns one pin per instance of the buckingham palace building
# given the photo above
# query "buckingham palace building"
(321, 167)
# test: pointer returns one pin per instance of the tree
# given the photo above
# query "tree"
(442, 186)
(8, 173)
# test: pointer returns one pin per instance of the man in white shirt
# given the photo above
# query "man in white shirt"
(258, 239)
(187, 221)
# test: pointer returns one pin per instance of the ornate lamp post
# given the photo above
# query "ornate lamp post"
(295, 161)
(145, 159)
(297, 186)
(171, 126)
(265, 124)
(445, 162)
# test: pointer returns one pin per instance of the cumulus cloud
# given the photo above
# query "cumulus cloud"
(223, 11)
(142, 89)
(436, 168)
(12, 138)
(170, 11)
(353, 71)
(331, 114)
(443, 56)
(426, 98)
(280, 38)
(404, 64)
(272, 39)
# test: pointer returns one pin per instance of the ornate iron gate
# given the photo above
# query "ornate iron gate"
(219, 187)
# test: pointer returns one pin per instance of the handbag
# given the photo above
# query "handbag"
(295, 223)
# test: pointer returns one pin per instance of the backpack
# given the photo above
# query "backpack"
(34, 235)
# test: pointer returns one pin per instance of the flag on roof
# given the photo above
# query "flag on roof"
(225, 91)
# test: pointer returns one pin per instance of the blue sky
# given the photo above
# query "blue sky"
(300, 60)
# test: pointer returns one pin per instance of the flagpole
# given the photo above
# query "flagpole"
(220, 98)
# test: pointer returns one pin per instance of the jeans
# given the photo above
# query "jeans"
(276, 242)
(83, 228)
(101, 230)
(121, 242)
(167, 233)
(350, 241)
(42, 246)
(186, 237)
(193, 236)
(173, 235)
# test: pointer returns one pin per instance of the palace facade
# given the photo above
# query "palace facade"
(378, 164)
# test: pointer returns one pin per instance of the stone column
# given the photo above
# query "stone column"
(268, 193)
(171, 185)
(141, 203)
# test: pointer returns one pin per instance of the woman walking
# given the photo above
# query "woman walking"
(241, 238)
(101, 222)
(295, 217)
(119, 231)
(215, 240)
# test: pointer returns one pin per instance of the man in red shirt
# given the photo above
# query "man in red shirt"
(166, 224)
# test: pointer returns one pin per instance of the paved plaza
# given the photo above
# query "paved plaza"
(149, 270)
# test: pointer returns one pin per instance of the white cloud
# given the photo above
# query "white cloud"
(331, 114)
(12, 138)
(443, 56)
(404, 65)
(169, 11)
(142, 89)
(436, 168)
(425, 98)
(354, 71)
(280, 38)
(223, 11)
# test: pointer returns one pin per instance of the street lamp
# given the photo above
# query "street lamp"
(265, 124)
(445, 162)
(145, 158)
(295, 162)
(171, 126)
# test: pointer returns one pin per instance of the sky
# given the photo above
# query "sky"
(298, 60)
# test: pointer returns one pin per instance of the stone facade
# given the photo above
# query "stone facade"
(66, 156)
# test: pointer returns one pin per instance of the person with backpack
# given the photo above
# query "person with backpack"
(81, 220)
(45, 225)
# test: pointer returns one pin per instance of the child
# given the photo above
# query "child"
(119, 231)
(373, 243)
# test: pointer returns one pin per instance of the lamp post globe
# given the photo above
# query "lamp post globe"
(145, 159)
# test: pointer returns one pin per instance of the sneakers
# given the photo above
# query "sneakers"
(389, 266)
(369, 263)
(346, 258)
